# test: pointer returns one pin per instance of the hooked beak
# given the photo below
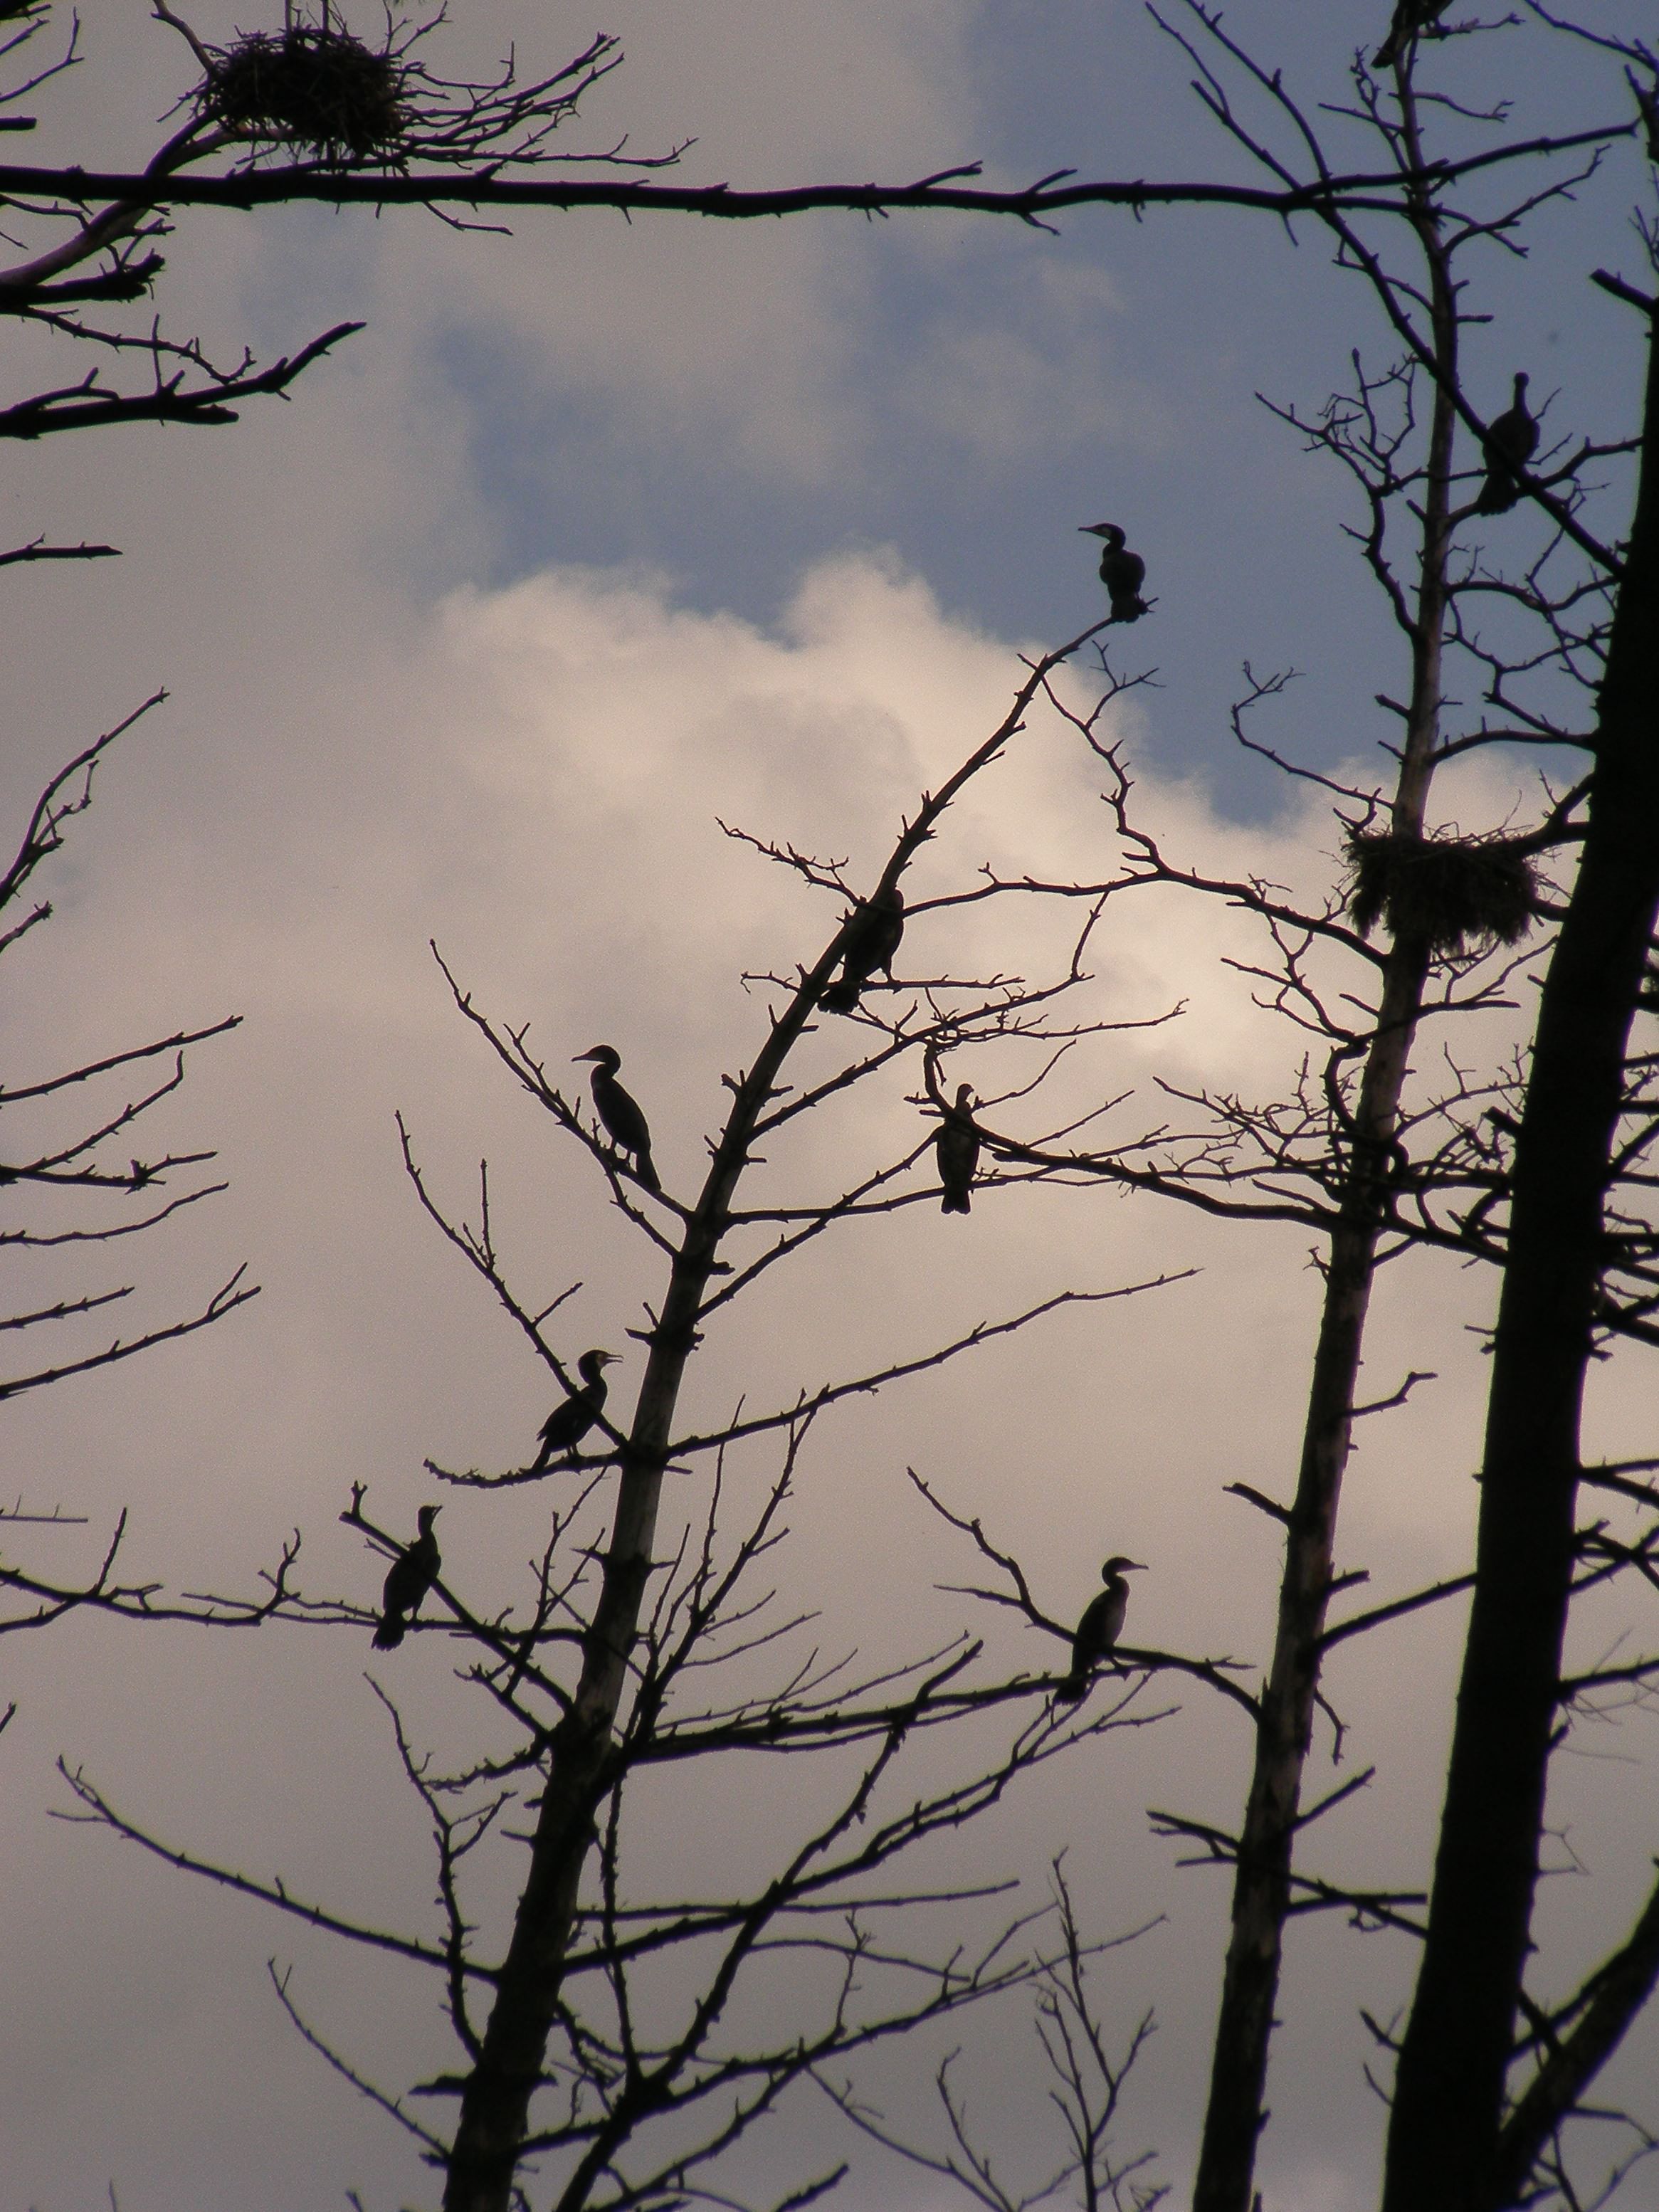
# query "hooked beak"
(576, 1057)
(607, 1358)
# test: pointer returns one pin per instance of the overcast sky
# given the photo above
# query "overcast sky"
(597, 533)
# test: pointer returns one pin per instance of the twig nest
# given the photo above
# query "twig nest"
(1446, 892)
(313, 86)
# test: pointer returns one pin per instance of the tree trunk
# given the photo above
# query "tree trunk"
(495, 2102)
(495, 2105)
(1454, 2061)
(1261, 1887)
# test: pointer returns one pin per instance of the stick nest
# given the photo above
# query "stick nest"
(312, 86)
(1448, 893)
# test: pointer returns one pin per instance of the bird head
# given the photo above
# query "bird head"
(964, 1097)
(1108, 531)
(1118, 1565)
(603, 1055)
(426, 1517)
(1521, 381)
(593, 1364)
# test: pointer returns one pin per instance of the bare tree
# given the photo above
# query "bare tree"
(1580, 1267)
(79, 278)
(1542, 1169)
(645, 1644)
(1377, 1172)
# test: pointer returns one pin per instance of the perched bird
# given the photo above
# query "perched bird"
(1410, 16)
(566, 1424)
(412, 1575)
(1512, 442)
(619, 1113)
(1100, 1627)
(957, 1149)
(1122, 573)
(870, 944)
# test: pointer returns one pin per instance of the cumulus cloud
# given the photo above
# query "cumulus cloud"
(367, 747)
(534, 777)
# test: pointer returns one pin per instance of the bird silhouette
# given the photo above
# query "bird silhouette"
(872, 940)
(956, 1149)
(619, 1113)
(412, 1575)
(1512, 442)
(1122, 573)
(1100, 1627)
(1410, 16)
(566, 1424)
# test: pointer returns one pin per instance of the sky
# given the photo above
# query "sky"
(599, 535)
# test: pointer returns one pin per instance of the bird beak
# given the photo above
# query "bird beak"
(1139, 1566)
(576, 1057)
(609, 1359)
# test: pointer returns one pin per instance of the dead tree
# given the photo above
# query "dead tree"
(1579, 1265)
(601, 1679)
(1375, 1171)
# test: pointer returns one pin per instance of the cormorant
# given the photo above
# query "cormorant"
(1410, 16)
(1512, 442)
(957, 1149)
(1100, 1627)
(566, 1424)
(412, 1575)
(619, 1112)
(1122, 573)
(870, 944)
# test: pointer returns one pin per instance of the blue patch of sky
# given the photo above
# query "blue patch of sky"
(1240, 529)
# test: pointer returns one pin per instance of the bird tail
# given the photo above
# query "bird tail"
(841, 998)
(956, 1202)
(1071, 1690)
(1129, 608)
(1384, 56)
(390, 1633)
(1498, 495)
(646, 1170)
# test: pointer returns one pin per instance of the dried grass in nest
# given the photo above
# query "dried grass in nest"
(313, 86)
(1444, 892)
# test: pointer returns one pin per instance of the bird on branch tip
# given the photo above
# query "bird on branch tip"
(1122, 573)
(412, 1575)
(1512, 442)
(956, 1149)
(1100, 1627)
(1410, 16)
(566, 1424)
(872, 939)
(619, 1112)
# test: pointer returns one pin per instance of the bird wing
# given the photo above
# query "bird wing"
(622, 1115)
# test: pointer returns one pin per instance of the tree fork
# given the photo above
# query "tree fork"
(1454, 2062)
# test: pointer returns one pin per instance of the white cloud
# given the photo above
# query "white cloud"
(533, 776)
